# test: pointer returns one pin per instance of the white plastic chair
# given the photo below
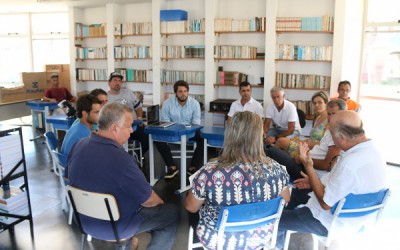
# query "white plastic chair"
(98, 206)
(352, 206)
(61, 160)
(245, 217)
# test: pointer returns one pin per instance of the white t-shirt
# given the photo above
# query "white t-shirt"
(286, 115)
(128, 98)
(359, 170)
(319, 151)
(252, 105)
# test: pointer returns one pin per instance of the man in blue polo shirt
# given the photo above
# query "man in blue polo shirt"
(182, 109)
(99, 163)
(87, 110)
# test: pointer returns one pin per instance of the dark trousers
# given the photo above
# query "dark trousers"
(283, 158)
(197, 159)
(139, 135)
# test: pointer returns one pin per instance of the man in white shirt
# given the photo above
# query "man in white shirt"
(359, 170)
(246, 102)
(281, 119)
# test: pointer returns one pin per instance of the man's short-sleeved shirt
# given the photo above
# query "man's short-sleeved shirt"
(252, 105)
(286, 115)
(59, 94)
(128, 98)
(172, 111)
(359, 170)
(99, 164)
(74, 134)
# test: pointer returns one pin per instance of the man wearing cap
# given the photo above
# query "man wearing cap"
(56, 93)
(125, 96)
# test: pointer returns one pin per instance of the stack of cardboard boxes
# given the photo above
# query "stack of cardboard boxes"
(36, 83)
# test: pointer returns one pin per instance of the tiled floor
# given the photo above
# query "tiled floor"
(52, 232)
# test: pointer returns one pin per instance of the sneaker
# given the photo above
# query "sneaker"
(191, 171)
(171, 173)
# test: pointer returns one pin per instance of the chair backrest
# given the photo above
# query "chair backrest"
(94, 204)
(60, 158)
(357, 205)
(302, 118)
(51, 140)
(249, 216)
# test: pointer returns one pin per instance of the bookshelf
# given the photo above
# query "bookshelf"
(16, 208)
(203, 14)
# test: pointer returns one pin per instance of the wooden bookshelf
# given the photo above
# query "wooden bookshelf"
(87, 37)
(172, 83)
(304, 32)
(182, 33)
(185, 58)
(287, 60)
(238, 59)
(89, 59)
(231, 85)
(237, 32)
(131, 35)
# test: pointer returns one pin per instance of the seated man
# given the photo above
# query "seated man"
(246, 102)
(56, 93)
(281, 119)
(321, 154)
(182, 109)
(87, 110)
(344, 90)
(99, 163)
(360, 170)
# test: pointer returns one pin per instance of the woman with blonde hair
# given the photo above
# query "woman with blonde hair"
(242, 174)
(319, 100)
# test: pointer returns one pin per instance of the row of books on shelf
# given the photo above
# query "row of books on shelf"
(324, 23)
(306, 106)
(16, 204)
(132, 51)
(136, 75)
(230, 77)
(82, 30)
(235, 51)
(287, 80)
(304, 52)
(90, 53)
(234, 25)
(125, 29)
(188, 76)
(186, 26)
(91, 74)
(182, 51)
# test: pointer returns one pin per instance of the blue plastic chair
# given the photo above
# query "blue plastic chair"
(245, 217)
(52, 144)
(352, 206)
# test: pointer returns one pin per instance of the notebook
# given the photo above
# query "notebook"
(153, 117)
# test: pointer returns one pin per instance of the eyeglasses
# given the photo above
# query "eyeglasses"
(345, 90)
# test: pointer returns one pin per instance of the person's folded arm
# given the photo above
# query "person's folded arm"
(192, 204)
(289, 131)
(153, 200)
(325, 163)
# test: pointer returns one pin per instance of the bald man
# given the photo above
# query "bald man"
(360, 169)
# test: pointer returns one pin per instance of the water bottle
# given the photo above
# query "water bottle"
(6, 190)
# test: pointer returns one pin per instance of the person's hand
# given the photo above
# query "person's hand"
(305, 156)
(270, 140)
(302, 183)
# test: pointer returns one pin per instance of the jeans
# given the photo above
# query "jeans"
(276, 131)
(300, 220)
(283, 158)
(197, 159)
(162, 222)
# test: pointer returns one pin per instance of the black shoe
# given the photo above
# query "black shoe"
(171, 173)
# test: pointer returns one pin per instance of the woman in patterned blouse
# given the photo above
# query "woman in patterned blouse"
(242, 174)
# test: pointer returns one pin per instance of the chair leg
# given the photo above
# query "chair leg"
(190, 238)
(287, 239)
(82, 241)
(315, 242)
(70, 214)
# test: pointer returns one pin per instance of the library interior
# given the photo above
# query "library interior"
(81, 76)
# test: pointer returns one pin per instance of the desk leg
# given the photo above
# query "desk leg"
(151, 150)
(34, 132)
(205, 151)
(183, 166)
(46, 114)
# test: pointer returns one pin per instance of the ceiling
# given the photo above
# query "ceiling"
(10, 6)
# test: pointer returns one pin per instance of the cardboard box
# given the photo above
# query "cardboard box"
(56, 68)
(35, 84)
(12, 94)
